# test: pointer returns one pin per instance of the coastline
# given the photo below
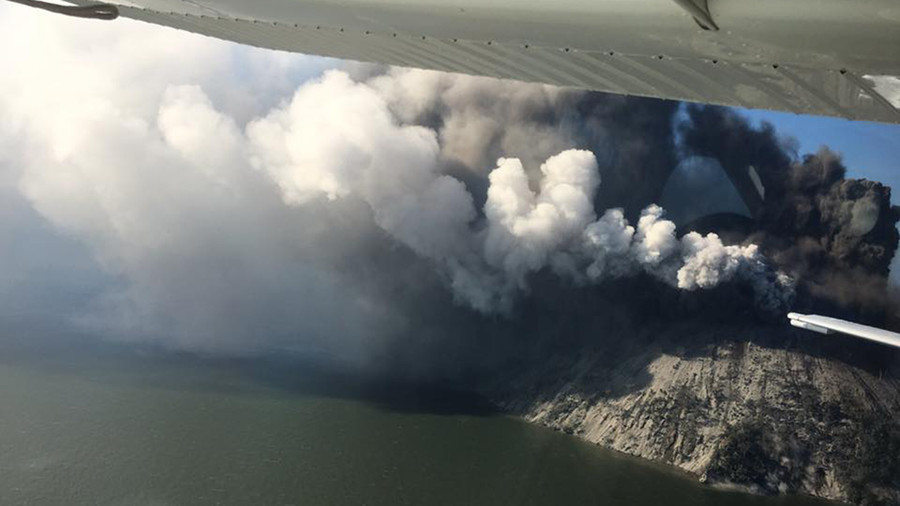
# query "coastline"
(731, 413)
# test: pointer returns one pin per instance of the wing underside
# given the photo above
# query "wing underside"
(825, 57)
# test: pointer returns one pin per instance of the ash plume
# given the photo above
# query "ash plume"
(479, 120)
(233, 217)
(836, 235)
(396, 169)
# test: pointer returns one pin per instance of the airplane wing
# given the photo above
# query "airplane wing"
(827, 325)
(825, 57)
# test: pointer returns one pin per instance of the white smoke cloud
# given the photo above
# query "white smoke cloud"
(229, 214)
(526, 231)
(607, 243)
(338, 138)
(140, 158)
(707, 262)
(655, 238)
(556, 228)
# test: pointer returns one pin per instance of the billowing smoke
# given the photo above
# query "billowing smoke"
(338, 138)
(480, 120)
(333, 213)
(836, 235)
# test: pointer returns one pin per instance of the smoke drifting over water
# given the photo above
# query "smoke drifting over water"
(400, 203)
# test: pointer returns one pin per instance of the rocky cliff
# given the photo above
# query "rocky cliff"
(766, 408)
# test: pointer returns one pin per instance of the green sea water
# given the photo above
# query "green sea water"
(113, 429)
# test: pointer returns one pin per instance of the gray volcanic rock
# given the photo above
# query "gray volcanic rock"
(730, 407)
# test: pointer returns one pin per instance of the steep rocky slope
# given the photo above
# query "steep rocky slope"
(766, 408)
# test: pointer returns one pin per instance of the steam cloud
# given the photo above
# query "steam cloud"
(225, 214)
(338, 138)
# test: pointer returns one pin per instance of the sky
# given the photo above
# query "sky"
(870, 150)
(161, 185)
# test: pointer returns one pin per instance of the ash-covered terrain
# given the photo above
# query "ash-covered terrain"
(743, 404)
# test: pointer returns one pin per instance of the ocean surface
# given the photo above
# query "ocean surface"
(123, 429)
